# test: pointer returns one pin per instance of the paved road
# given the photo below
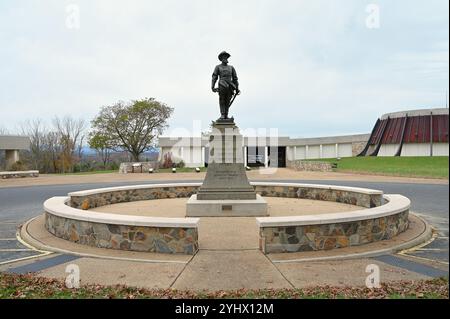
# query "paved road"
(19, 204)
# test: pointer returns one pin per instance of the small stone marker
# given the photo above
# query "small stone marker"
(136, 165)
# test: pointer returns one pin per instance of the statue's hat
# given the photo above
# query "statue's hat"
(221, 54)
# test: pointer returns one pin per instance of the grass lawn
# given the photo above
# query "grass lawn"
(420, 166)
(29, 286)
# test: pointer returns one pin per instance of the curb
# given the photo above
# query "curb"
(35, 244)
(425, 236)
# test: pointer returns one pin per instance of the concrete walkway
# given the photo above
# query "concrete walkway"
(225, 270)
(22, 203)
(217, 267)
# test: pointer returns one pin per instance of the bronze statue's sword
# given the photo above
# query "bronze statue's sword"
(234, 96)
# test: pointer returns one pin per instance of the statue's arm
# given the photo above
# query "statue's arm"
(235, 78)
(215, 75)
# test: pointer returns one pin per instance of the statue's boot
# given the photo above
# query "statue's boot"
(223, 113)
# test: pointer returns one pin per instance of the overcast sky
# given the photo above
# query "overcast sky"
(308, 68)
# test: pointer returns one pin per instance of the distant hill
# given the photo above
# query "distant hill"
(91, 152)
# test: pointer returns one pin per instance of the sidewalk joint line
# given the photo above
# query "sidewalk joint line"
(282, 275)
(184, 268)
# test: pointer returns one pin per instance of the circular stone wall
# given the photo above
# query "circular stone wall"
(69, 218)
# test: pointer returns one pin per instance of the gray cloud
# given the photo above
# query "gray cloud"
(309, 68)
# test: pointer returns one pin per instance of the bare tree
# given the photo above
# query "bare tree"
(37, 132)
(3, 131)
(53, 150)
(71, 135)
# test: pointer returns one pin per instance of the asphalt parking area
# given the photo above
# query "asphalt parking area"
(11, 249)
(436, 250)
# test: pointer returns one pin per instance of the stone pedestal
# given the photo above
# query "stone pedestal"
(226, 179)
(226, 208)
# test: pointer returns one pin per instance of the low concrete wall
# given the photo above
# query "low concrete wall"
(104, 196)
(330, 231)
(113, 195)
(310, 166)
(349, 195)
(18, 174)
(136, 233)
(170, 240)
(68, 218)
(140, 167)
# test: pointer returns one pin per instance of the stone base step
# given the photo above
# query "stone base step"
(226, 208)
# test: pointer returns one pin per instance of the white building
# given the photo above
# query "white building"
(265, 151)
(407, 133)
(11, 144)
(410, 133)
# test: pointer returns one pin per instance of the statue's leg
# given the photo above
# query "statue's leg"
(222, 104)
(224, 101)
(228, 95)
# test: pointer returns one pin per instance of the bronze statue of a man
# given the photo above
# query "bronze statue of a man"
(228, 84)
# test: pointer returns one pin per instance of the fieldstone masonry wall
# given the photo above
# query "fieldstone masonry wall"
(124, 237)
(185, 240)
(101, 199)
(18, 174)
(341, 196)
(332, 195)
(140, 167)
(330, 236)
(357, 147)
(310, 166)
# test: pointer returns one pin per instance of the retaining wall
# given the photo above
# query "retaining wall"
(70, 218)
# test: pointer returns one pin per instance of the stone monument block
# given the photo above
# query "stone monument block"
(226, 190)
(225, 177)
